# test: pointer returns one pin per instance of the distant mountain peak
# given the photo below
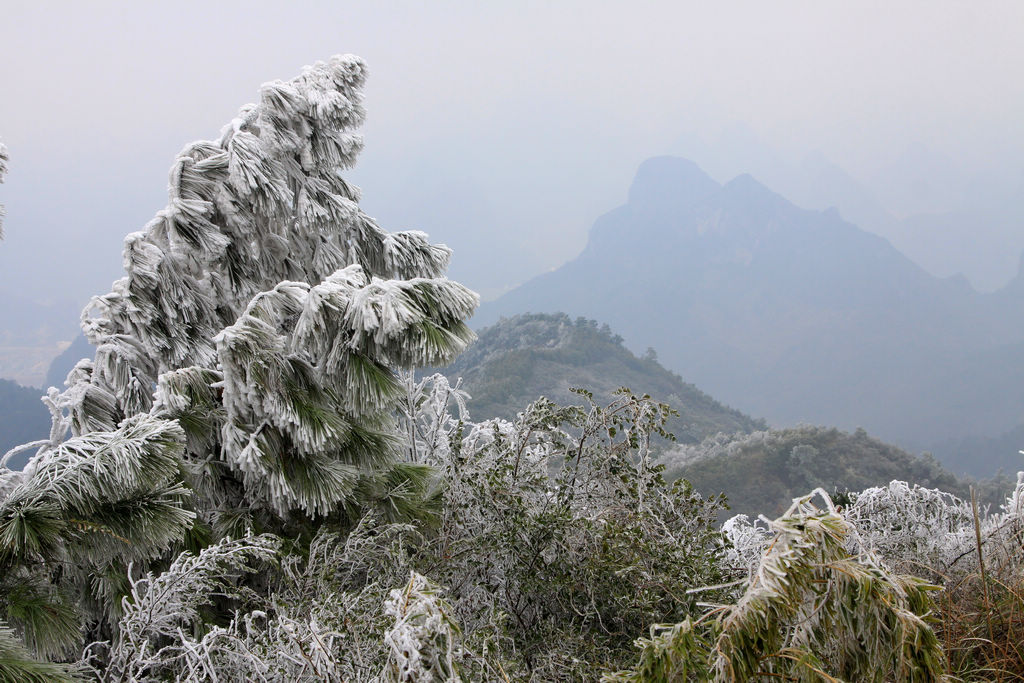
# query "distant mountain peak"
(751, 193)
(788, 312)
(667, 180)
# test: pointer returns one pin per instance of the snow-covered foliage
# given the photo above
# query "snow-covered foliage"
(302, 365)
(316, 619)
(536, 522)
(70, 523)
(18, 664)
(241, 485)
(263, 205)
(245, 377)
(747, 541)
(267, 308)
(810, 610)
(264, 288)
(434, 414)
(914, 529)
(553, 543)
(422, 642)
(319, 618)
(159, 611)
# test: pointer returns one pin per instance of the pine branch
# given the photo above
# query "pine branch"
(18, 666)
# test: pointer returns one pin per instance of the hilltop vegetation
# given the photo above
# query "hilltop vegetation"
(526, 356)
(720, 449)
(761, 472)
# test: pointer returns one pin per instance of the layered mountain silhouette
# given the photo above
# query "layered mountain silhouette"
(792, 314)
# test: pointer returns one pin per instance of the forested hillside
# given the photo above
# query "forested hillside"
(23, 418)
(761, 472)
(720, 450)
(520, 358)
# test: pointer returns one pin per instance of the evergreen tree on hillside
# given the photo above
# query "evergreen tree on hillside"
(244, 376)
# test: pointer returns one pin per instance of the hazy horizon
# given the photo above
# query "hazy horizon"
(505, 130)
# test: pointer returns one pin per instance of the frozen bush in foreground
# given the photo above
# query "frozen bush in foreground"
(810, 610)
(912, 528)
(422, 643)
(161, 609)
(559, 535)
(915, 529)
(555, 540)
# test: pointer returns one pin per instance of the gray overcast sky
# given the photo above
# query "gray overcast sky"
(502, 128)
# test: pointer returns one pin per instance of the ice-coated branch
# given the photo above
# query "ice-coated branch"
(104, 495)
(303, 367)
(18, 664)
(161, 608)
(422, 643)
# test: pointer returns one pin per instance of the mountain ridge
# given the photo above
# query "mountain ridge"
(794, 314)
(527, 356)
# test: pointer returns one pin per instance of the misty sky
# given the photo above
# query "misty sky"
(505, 129)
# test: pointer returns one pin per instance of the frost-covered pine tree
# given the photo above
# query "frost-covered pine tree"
(245, 371)
(267, 309)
